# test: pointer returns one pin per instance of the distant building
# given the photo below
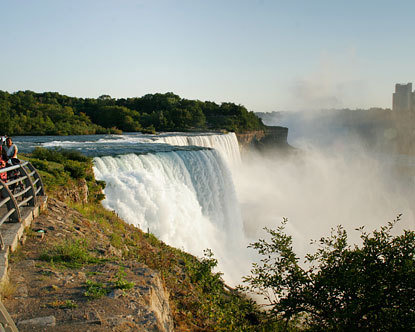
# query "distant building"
(403, 98)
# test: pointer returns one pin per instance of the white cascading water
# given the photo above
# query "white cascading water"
(226, 144)
(186, 198)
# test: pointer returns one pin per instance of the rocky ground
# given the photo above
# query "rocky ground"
(112, 294)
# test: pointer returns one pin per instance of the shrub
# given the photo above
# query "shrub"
(75, 168)
(346, 288)
(201, 272)
(48, 154)
(58, 155)
(101, 184)
(74, 155)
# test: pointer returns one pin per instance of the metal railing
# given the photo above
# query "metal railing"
(21, 189)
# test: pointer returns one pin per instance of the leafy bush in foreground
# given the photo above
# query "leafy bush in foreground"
(346, 288)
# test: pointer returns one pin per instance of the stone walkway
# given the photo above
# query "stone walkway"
(13, 234)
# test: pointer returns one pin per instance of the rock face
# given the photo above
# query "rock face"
(77, 194)
(246, 140)
(159, 304)
(271, 137)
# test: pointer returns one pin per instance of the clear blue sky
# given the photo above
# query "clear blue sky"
(266, 55)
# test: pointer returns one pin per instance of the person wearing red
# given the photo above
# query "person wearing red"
(3, 176)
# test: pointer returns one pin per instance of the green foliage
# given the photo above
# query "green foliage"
(69, 253)
(74, 155)
(101, 184)
(75, 168)
(229, 311)
(58, 155)
(202, 273)
(121, 282)
(52, 173)
(64, 168)
(95, 290)
(67, 304)
(116, 240)
(48, 154)
(72, 162)
(344, 287)
(49, 113)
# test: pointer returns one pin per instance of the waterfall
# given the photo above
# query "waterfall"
(186, 198)
(226, 144)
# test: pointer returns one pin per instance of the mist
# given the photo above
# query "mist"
(333, 176)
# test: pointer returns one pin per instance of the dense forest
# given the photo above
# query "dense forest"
(50, 113)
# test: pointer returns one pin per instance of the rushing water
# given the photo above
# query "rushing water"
(177, 186)
(114, 145)
(190, 189)
(186, 198)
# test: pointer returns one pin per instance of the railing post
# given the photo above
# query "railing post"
(28, 183)
(6, 320)
(11, 203)
(37, 177)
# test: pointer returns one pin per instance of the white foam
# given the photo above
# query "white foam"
(186, 198)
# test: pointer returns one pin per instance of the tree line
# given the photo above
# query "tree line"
(50, 113)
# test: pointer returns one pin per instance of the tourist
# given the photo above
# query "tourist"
(11, 152)
(3, 176)
(3, 140)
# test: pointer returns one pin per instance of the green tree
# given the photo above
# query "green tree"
(344, 288)
(30, 113)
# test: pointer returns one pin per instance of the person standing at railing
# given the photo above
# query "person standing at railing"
(11, 152)
(3, 145)
(3, 175)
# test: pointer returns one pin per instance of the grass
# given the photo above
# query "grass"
(116, 240)
(70, 253)
(29, 232)
(60, 304)
(8, 289)
(121, 282)
(95, 290)
(18, 255)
